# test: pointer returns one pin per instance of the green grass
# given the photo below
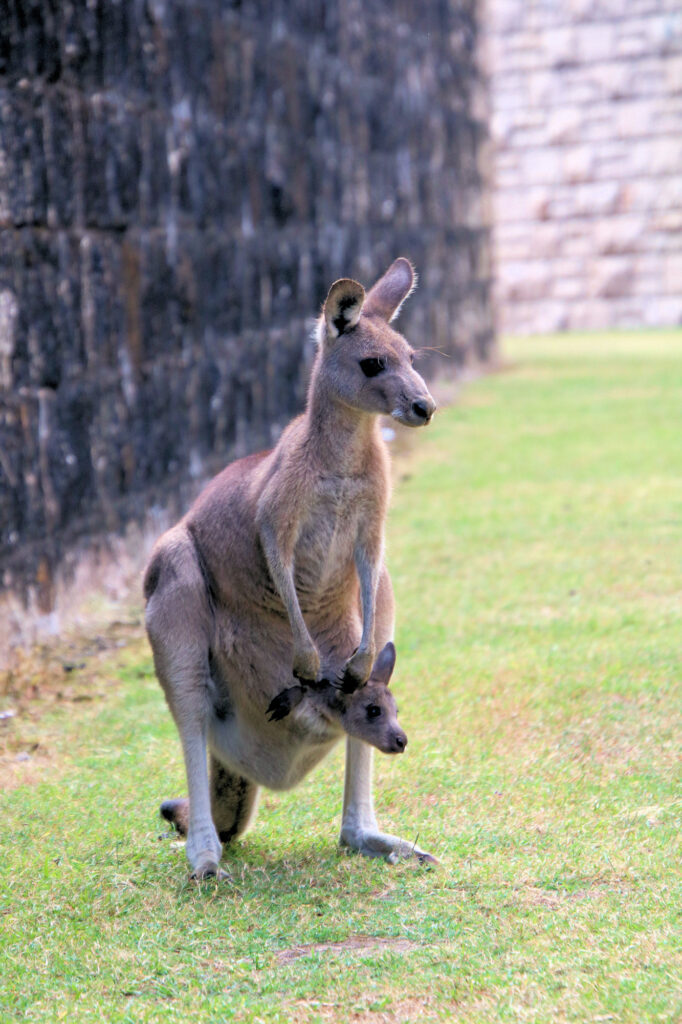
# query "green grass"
(535, 541)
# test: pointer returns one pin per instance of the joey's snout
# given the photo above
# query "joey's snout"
(399, 742)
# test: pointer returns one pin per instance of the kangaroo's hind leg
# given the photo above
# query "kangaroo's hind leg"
(234, 801)
(359, 828)
(179, 624)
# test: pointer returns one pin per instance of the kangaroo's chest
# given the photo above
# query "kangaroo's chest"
(329, 532)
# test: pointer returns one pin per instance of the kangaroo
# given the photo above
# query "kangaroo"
(277, 569)
(368, 712)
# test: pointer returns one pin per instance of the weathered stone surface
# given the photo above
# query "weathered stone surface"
(587, 133)
(179, 185)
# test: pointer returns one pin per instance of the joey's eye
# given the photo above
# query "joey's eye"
(373, 710)
(411, 358)
(371, 367)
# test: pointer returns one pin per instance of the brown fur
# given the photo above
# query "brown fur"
(278, 569)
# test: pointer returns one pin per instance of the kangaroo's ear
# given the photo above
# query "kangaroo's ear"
(384, 665)
(343, 306)
(386, 297)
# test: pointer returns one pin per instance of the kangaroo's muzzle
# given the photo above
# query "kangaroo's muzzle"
(423, 409)
(396, 743)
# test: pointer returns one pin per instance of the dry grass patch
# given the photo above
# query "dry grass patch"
(364, 945)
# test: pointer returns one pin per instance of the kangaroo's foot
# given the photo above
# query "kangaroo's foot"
(204, 850)
(177, 813)
(209, 869)
(359, 829)
(203, 847)
(372, 843)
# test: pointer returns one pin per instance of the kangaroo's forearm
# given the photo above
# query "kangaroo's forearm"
(282, 575)
(368, 565)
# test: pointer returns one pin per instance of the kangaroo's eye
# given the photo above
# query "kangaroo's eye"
(373, 710)
(371, 367)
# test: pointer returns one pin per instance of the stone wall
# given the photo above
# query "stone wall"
(587, 129)
(180, 182)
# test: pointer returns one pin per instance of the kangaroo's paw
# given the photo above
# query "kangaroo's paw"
(306, 665)
(379, 844)
(357, 670)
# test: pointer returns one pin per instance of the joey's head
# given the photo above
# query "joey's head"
(371, 713)
(362, 362)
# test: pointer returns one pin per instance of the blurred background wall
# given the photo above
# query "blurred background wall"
(180, 183)
(587, 125)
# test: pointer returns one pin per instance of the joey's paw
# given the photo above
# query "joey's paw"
(357, 670)
(284, 702)
(306, 665)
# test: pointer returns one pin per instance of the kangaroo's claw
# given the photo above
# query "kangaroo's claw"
(284, 702)
(373, 843)
(209, 870)
(303, 679)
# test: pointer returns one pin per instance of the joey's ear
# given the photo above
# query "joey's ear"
(343, 306)
(386, 297)
(384, 665)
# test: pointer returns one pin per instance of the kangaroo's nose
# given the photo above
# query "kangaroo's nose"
(424, 408)
(400, 741)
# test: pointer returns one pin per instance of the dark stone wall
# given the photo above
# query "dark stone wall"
(180, 182)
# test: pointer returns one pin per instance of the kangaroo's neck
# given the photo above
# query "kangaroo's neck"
(342, 438)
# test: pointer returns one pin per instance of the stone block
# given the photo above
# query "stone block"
(60, 158)
(558, 45)
(620, 234)
(594, 41)
(564, 125)
(525, 280)
(672, 280)
(673, 73)
(663, 309)
(568, 289)
(612, 277)
(577, 164)
(541, 167)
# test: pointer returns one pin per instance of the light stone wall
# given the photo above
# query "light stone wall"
(587, 137)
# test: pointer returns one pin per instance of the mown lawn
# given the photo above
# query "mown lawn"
(535, 542)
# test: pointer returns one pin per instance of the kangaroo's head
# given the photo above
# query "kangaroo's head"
(371, 713)
(368, 712)
(362, 361)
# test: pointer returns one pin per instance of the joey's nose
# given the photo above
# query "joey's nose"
(400, 741)
(424, 408)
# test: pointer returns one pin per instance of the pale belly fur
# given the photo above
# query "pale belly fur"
(253, 656)
(279, 760)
